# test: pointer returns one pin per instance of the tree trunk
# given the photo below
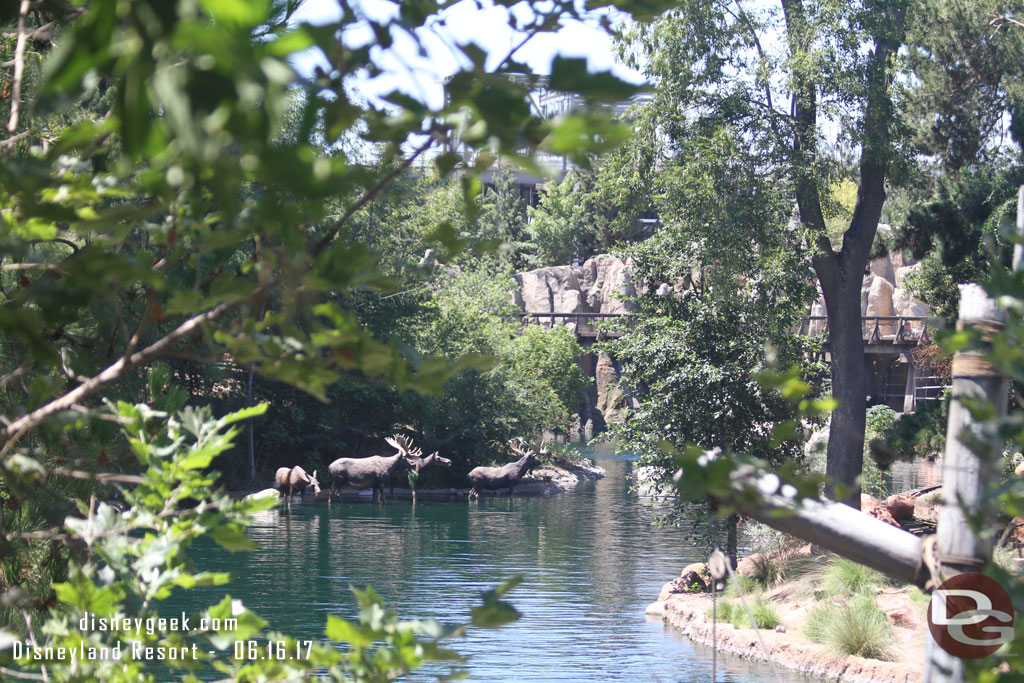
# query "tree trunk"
(731, 541)
(842, 287)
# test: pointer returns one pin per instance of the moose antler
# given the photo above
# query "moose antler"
(398, 442)
(519, 446)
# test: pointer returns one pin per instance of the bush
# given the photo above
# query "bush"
(816, 625)
(857, 628)
(920, 434)
(732, 611)
(846, 577)
(741, 584)
(861, 629)
(765, 614)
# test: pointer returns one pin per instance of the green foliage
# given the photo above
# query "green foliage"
(921, 434)
(959, 227)
(563, 227)
(765, 614)
(503, 220)
(172, 189)
(861, 629)
(843, 577)
(880, 418)
(128, 559)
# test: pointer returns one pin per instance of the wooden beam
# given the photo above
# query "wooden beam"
(847, 532)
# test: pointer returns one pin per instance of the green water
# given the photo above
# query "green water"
(591, 560)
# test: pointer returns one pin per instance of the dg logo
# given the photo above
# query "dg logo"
(970, 616)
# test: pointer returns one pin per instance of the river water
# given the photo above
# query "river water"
(591, 561)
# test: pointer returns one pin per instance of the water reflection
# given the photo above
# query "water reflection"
(591, 560)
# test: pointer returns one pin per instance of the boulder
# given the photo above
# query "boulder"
(907, 305)
(555, 289)
(694, 582)
(656, 609)
(900, 506)
(880, 298)
(699, 568)
(610, 396)
(265, 493)
(691, 583)
(605, 281)
(748, 565)
(882, 267)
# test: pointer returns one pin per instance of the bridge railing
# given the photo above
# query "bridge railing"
(879, 329)
(586, 323)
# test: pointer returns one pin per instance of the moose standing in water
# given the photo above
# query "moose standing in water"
(361, 473)
(417, 463)
(292, 480)
(492, 478)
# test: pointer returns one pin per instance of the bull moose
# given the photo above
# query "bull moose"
(417, 463)
(292, 480)
(505, 477)
(374, 471)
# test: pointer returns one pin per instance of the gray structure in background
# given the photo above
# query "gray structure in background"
(547, 104)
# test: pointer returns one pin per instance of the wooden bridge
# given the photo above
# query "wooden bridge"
(882, 334)
(586, 324)
(894, 378)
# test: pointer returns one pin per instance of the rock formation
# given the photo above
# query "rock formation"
(602, 284)
(883, 292)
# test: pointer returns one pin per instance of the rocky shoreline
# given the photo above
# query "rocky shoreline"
(788, 648)
(547, 480)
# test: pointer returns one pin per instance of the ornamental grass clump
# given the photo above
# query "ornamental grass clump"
(844, 577)
(858, 627)
(764, 613)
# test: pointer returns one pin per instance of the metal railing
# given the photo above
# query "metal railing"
(879, 329)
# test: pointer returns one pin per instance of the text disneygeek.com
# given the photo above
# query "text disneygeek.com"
(140, 651)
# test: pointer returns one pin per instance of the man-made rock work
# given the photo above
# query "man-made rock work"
(884, 289)
(601, 285)
(786, 646)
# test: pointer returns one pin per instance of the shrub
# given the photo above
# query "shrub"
(818, 620)
(861, 629)
(748, 584)
(857, 628)
(726, 610)
(765, 614)
(846, 577)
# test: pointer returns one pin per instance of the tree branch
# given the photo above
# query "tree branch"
(370, 195)
(19, 67)
(14, 431)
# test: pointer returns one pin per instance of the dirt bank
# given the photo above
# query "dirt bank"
(791, 649)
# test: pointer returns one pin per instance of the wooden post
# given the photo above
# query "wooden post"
(967, 470)
(910, 391)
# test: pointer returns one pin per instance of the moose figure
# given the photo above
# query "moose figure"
(492, 478)
(417, 463)
(361, 473)
(292, 480)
